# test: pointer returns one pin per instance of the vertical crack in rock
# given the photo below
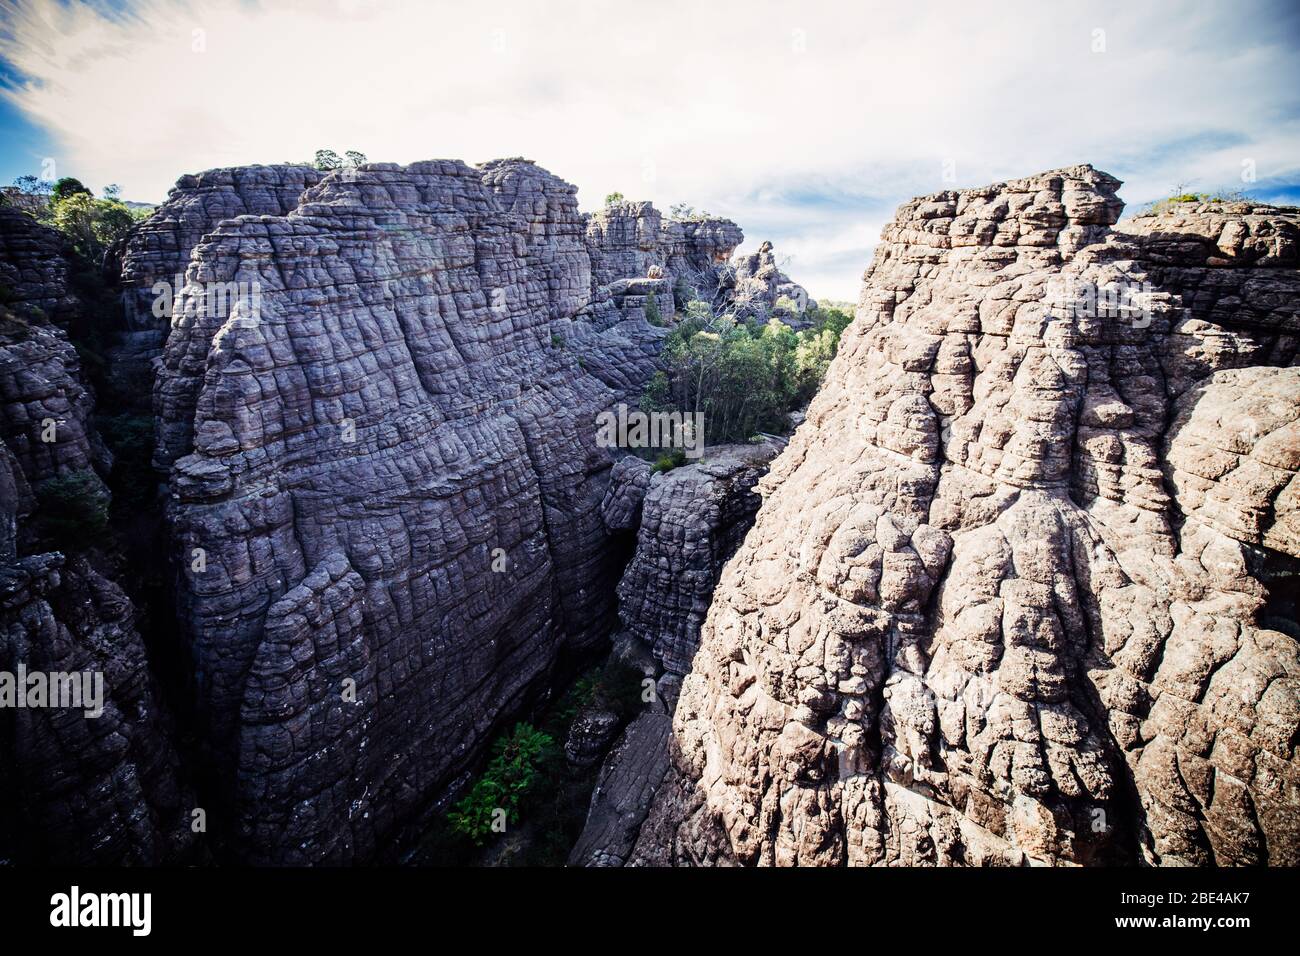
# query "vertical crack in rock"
(1014, 568)
(688, 523)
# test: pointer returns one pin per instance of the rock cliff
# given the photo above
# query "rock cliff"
(761, 289)
(385, 485)
(155, 256)
(105, 788)
(1019, 588)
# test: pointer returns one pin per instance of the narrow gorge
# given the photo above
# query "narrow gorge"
(1018, 586)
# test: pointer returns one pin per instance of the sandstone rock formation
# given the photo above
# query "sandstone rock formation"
(35, 264)
(761, 289)
(631, 239)
(385, 486)
(1012, 592)
(157, 252)
(102, 789)
(691, 520)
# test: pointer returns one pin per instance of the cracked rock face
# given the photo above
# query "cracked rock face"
(692, 519)
(34, 267)
(632, 239)
(77, 789)
(1014, 590)
(385, 473)
(158, 250)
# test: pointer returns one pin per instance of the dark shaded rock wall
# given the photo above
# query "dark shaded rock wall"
(103, 789)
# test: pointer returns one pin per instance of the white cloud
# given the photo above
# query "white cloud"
(809, 121)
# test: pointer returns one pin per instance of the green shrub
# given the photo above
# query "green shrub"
(652, 313)
(92, 224)
(673, 459)
(744, 377)
(613, 198)
(517, 761)
(131, 439)
(67, 186)
(557, 340)
(72, 509)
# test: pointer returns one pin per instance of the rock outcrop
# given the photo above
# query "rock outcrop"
(762, 290)
(35, 268)
(1010, 597)
(157, 253)
(632, 239)
(385, 486)
(78, 786)
(691, 520)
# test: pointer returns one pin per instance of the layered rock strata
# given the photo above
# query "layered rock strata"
(385, 486)
(630, 240)
(153, 259)
(97, 782)
(1008, 596)
(689, 521)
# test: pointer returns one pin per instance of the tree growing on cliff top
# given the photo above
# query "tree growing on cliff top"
(92, 224)
(67, 186)
(33, 186)
(327, 159)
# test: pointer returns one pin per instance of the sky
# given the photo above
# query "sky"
(806, 122)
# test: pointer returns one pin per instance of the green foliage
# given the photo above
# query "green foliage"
(131, 440)
(112, 191)
(557, 340)
(1181, 194)
(327, 159)
(683, 293)
(674, 459)
(72, 509)
(686, 212)
(92, 224)
(613, 198)
(353, 158)
(652, 313)
(743, 377)
(34, 186)
(517, 761)
(67, 186)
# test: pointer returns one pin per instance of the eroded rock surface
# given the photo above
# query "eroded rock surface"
(632, 239)
(157, 253)
(386, 470)
(1005, 600)
(688, 521)
(692, 519)
(78, 789)
(762, 289)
